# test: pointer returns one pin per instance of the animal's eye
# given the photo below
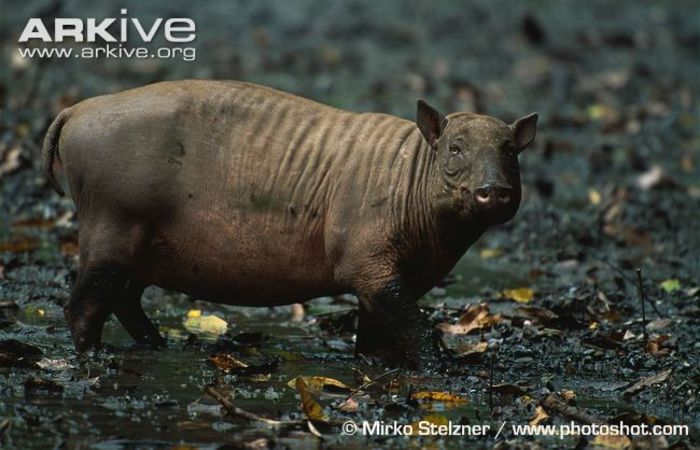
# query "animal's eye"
(454, 150)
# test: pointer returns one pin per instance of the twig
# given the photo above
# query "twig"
(640, 286)
(371, 382)
(631, 280)
(238, 412)
(552, 403)
(493, 356)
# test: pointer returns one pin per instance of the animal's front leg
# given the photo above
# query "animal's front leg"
(392, 327)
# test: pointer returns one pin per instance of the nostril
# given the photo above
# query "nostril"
(504, 197)
(482, 195)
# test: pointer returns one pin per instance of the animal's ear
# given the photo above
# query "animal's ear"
(430, 122)
(524, 130)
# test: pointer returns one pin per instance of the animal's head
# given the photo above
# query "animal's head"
(476, 160)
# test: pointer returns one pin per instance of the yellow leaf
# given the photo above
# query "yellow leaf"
(487, 253)
(309, 405)
(173, 333)
(427, 398)
(612, 441)
(194, 313)
(206, 324)
(593, 326)
(670, 285)
(594, 196)
(540, 415)
(520, 295)
(321, 384)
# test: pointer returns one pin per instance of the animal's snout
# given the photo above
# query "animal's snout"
(492, 195)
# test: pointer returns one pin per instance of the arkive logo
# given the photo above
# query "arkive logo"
(175, 30)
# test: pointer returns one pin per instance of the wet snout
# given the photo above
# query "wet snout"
(494, 195)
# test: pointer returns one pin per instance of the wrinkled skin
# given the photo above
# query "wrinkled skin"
(241, 194)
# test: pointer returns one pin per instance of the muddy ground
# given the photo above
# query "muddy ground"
(611, 185)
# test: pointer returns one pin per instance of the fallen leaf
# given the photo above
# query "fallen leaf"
(540, 415)
(670, 285)
(650, 178)
(538, 314)
(206, 324)
(594, 197)
(475, 318)
(227, 361)
(659, 324)
(192, 313)
(446, 399)
(569, 396)
(11, 161)
(644, 382)
(309, 405)
(349, 405)
(612, 441)
(520, 295)
(656, 346)
(322, 384)
(487, 253)
(55, 364)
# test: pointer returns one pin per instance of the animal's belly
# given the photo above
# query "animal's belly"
(247, 260)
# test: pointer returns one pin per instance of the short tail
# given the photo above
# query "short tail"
(48, 152)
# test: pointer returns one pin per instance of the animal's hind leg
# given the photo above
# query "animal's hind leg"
(89, 305)
(108, 250)
(130, 313)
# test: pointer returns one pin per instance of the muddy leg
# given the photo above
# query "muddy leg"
(130, 313)
(392, 327)
(89, 305)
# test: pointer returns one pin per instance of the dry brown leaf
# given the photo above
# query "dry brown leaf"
(10, 161)
(349, 405)
(227, 361)
(473, 319)
(541, 315)
(656, 346)
(309, 405)
(540, 415)
(322, 384)
(647, 381)
(659, 324)
(610, 441)
(568, 395)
